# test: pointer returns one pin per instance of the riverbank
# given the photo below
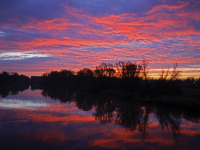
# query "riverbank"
(178, 101)
(190, 98)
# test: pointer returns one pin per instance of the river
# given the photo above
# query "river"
(55, 118)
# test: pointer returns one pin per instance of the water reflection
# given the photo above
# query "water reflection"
(17, 103)
(13, 90)
(129, 114)
(65, 118)
(60, 94)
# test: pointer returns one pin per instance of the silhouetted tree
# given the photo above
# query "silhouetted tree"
(128, 69)
(175, 73)
(58, 77)
(9, 78)
(145, 72)
(14, 77)
(85, 72)
(164, 74)
(169, 86)
(99, 70)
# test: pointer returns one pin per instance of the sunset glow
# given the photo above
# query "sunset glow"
(41, 36)
(48, 121)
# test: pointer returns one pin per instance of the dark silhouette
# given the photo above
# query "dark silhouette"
(123, 77)
(63, 77)
(12, 78)
(9, 78)
(12, 83)
(12, 89)
(171, 86)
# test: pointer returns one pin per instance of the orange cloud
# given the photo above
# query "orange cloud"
(51, 25)
(170, 8)
(70, 42)
(137, 36)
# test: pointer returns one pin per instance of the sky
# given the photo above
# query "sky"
(41, 35)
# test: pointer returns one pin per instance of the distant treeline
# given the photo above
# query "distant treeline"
(12, 83)
(12, 78)
(122, 77)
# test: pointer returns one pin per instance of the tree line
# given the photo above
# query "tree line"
(6, 77)
(123, 76)
(12, 78)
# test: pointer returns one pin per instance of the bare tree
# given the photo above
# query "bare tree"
(121, 68)
(128, 69)
(145, 71)
(164, 74)
(175, 72)
(100, 70)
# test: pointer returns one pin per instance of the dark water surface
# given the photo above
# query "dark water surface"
(61, 119)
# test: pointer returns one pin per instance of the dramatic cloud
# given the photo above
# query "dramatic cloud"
(75, 34)
(21, 55)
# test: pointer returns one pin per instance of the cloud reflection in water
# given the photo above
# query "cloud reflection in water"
(17, 103)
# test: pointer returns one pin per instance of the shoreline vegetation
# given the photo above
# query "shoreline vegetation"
(125, 80)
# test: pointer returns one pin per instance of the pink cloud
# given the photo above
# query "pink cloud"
(169, 8)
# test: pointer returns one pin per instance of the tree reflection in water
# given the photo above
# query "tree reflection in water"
(169, 120)
(12, 89)
(128, 114)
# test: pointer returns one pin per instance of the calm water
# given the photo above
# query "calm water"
(61, 119)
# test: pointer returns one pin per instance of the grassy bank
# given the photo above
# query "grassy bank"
(191, 92)
(178, 101)
(190, 98)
